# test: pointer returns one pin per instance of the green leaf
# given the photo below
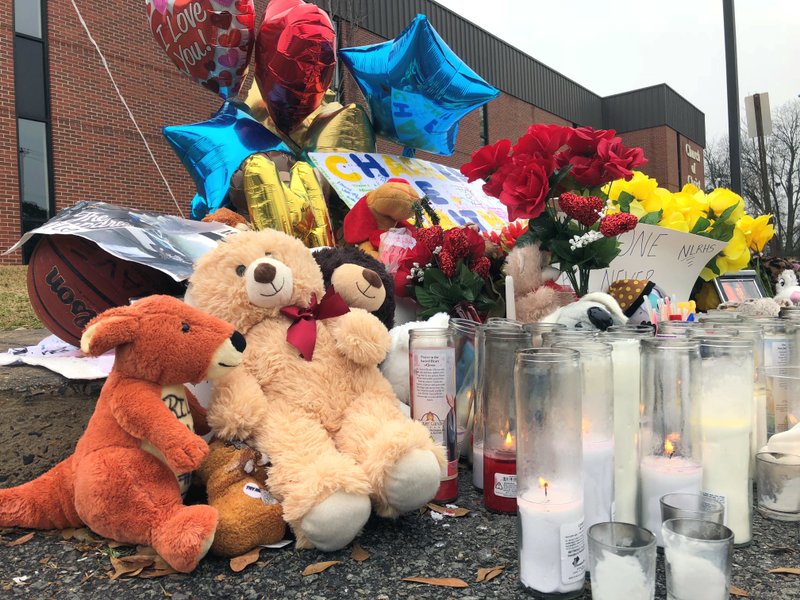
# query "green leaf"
(424, 298)
(721, 231)
(728, 212)
(558, 176)
(624, 201)
(434, 276)
(526, 239)
(712, 264)
(652, 218)
(701, 225)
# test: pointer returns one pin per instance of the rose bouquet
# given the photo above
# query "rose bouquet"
(450, 271)
(554, 177)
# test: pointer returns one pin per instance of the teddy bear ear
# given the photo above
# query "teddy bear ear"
(108, 331)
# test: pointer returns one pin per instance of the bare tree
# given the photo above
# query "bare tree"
(783, 169)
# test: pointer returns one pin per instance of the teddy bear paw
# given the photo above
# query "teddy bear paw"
(413, 481)
(335, 522)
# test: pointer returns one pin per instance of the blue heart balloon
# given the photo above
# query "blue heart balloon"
(212, 150)
(417, 88)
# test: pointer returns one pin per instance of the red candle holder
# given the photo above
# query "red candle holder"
(500, 482)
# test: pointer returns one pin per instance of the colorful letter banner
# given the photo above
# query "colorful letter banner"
(457, 202)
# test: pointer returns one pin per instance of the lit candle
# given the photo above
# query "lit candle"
(553, 539)
(665, 474)
(500, 475)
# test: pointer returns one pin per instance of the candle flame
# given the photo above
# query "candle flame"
(543, 483)
(509, 441)
(586, 427)
(669, 443)
(793, 420)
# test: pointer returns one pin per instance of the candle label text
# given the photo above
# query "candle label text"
(573, 552)
(505, 485)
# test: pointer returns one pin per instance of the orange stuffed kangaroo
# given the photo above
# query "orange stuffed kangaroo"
(122, 480)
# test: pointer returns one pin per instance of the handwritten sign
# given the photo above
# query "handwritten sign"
(670, 259)
(457, 202)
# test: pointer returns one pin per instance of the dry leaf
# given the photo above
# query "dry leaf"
(452, 582)
(83, 535)
(359, 554)
(114, 544)
(152, 573)
(448, 512)
(130, 565)
(789, 570)
(319, 567)
(219, 578)
(489, 573)
(66, 534)
(239, 563)
(21, 540)
(737, 591)
(146, 551)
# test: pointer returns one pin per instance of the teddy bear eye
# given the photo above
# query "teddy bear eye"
(185, 327)
(240, 270)
(267, 253)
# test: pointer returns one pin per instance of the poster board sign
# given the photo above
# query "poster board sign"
(670, 259)
(353, 174)
(170, 244)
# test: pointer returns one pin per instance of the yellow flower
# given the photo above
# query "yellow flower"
(758, 231)
(721, 199)
(734, 257)
(692, 203)
(675, 220)
(640, 186)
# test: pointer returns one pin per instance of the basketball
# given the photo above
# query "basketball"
(71, 280)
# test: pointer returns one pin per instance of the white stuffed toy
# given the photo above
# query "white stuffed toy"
(395, 367)
(786, 288)
(595, 311)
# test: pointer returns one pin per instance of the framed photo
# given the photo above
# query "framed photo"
(737, 287)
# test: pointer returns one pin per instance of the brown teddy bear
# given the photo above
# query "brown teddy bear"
(386, 207)
(536, 294)
(309, 393)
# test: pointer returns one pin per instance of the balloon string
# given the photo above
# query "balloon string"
(125, 104)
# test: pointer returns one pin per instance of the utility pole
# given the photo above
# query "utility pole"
(762, 153)
(732, 71)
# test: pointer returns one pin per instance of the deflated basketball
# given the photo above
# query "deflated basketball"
(71, 280)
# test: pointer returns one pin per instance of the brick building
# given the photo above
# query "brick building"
(75, 140)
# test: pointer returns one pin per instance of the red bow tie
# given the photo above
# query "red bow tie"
(302, 333)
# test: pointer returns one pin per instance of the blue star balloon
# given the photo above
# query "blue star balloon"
(212, 150)
(417, 88)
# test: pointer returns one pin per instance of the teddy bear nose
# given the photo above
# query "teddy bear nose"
(600, 318)
(372, 278)
(265, 273)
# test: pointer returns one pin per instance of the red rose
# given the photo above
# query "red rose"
(619, 160)
(587, 171)
(481, 267)
(542, 140)
(617, 223)
(420, 255)
(475, 243)
(584, 209)
(525, 190)
(584, 140)
(495, 184)
(485, 161)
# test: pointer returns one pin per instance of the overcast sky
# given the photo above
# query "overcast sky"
(612, 46)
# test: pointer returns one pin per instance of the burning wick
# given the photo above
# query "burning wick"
(669, 448)
(509, 440)
(543, 483)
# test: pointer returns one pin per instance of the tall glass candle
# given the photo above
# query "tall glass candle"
(537, 329)
(463, 332)
(552, 536)
(551, 337)
(433, 397)
(500, 420)
(726, 405)
(627, 410)
(780, 350)
(598, 429)
(669, 439)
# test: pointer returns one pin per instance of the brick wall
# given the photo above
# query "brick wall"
(9, 176)
(691, 162)
(660, 147)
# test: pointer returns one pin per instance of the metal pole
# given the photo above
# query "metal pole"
(731, 69)
(762, 154)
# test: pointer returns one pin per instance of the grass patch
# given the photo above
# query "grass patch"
(15, 308)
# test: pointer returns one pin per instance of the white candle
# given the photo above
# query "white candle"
(598, 481)
(511, 307)
(661, 475)
(621, 578)
(553, 541)
(781, 493)
(477, 465)
(626, 428)
(759, 435)
(786, 442)
(689, 575)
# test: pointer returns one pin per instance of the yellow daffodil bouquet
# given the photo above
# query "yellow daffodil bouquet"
(718, 215)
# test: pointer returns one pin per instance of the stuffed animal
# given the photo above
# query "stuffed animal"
(122, 481)
(630, 295)
(536, 294)
(229, 218)
(360, 279)
(386, 207)
(786, 288)
(594, 311)
(395, 367)
(309, 393)
(760, 307)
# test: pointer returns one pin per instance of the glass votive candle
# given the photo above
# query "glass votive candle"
(783, 398)
(691, 506)
(778, 482)
(537, 329)
(463, 331)
(551, 337)
(670, 457)
(676, 327)
(718, 315)
(552, 538)
(503, 321)
(697, 556)
(622, 562)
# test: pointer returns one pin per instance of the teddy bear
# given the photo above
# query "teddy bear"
(229, 218)
(309, 393)
(123, 480)
(787, 288)
(594, 311)
(536, 294)
(388, 206)
(360, 279)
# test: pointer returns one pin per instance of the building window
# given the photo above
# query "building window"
(33, 173)
(484, 117)
(28, 17)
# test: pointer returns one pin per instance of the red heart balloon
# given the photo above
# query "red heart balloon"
(295, 60)
(209, 40)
